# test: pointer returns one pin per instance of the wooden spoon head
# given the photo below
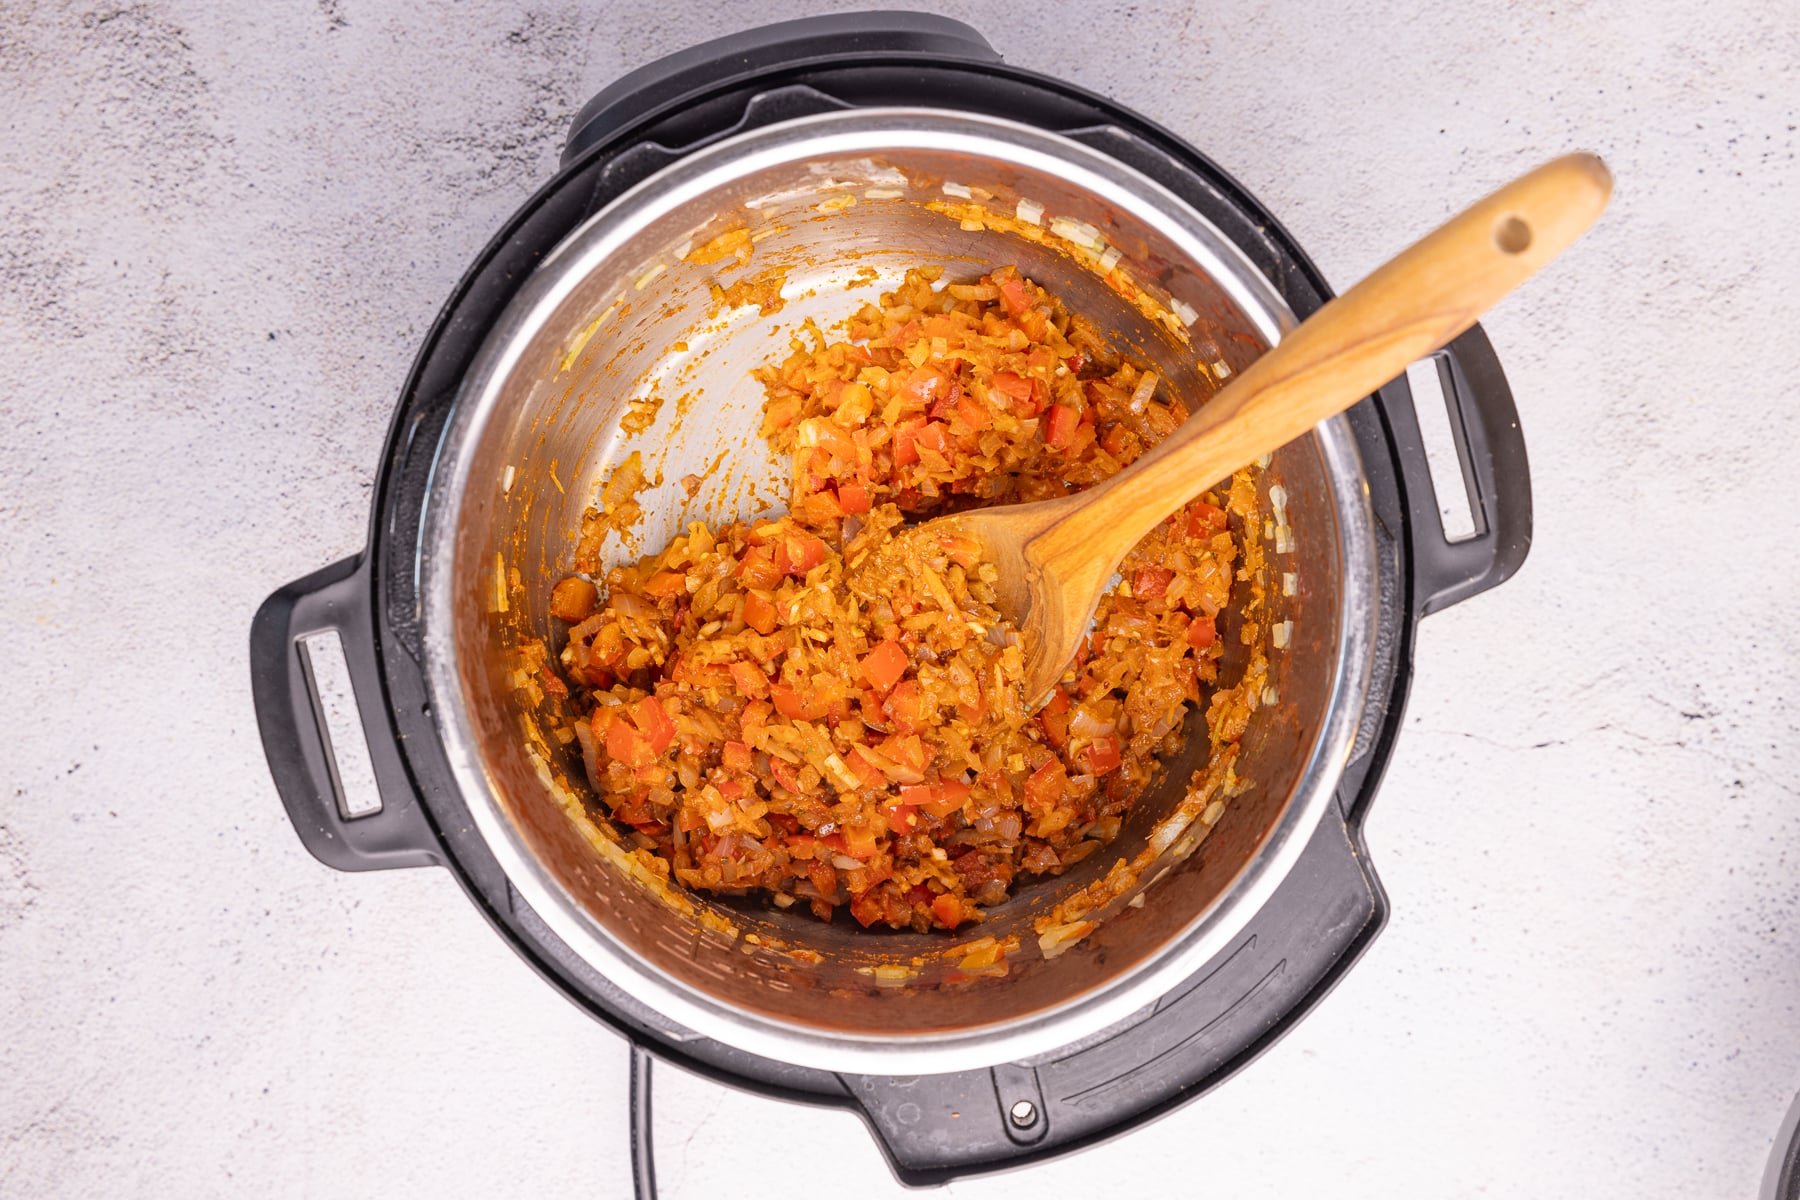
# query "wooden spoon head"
(1050, 605)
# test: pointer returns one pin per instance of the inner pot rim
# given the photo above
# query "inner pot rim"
(690, 1011)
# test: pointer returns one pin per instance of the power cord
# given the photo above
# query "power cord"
(643, 1157)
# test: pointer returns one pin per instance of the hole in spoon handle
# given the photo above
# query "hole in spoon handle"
(1512, 235)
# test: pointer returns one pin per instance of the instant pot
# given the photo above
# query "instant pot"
(811, 163)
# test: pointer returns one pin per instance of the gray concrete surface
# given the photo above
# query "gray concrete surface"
(223, 230)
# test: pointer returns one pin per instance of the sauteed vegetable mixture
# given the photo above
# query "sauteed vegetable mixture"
(825, 709)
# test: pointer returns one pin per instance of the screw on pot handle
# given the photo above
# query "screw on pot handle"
(321, 708)
(1490, 448)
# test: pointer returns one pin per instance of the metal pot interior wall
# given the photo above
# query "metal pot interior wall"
(646, 353)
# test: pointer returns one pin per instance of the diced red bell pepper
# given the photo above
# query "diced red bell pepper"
(1201, 632)
(785, 774)
(1059, 427)
(964, 552)
(907, 751)
(951, 791)
(945, 404)
(653, 723)
(573, 599)
(868, 772)
(1101, 755)
(625, 744)
(923, 389)
(737, 756)
(1204, 520)
(1015, 295)
(972, 413)
(853, 497)
(867, 908)
(758, 569)
(755, 714)
(905, 451)
(799, 553)
(820, 506)
(884, 665)
(1055, 719)
(608, 646)
(750, 680)
(902, 818)
(835, 440)
(760, 613)
(935, 437)
(859, 841)
(938, 799)
(664, 584)
(948, 910)
(781, 413)
(905, 706)
(790, 703)
(1151, 583)
(1045, 786)
(1015, 386)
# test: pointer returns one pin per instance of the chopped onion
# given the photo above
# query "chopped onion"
(1084, 724)
(1171, 828)
(1030, 211)
(836, 767)
(957, 190)
(1079, 232)
(1058, 938)
(590, 753)
(1146, 388)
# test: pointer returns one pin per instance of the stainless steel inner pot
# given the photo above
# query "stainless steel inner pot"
(620, 344)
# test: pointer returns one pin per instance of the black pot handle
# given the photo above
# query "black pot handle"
(1496, 476)
(352, 812)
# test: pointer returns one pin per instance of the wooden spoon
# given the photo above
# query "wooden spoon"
(1055, 557)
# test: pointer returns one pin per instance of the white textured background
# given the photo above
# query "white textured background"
(224, 229)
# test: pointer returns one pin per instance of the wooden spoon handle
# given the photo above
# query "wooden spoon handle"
(1407, 309)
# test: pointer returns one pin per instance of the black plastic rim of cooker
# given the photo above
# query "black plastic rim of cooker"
(930, 1128)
